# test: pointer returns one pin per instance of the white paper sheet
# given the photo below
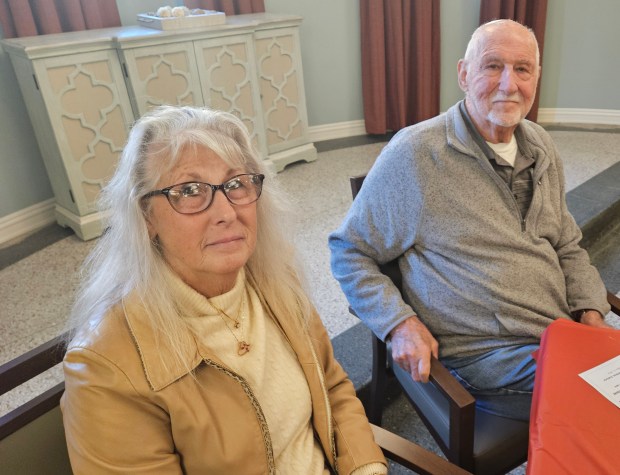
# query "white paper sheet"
(605, 378)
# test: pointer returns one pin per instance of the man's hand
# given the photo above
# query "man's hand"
(412, 346)
(593, 318)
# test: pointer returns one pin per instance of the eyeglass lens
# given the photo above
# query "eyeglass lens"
(194, 197)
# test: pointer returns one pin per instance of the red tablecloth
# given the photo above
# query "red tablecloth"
(573, 428)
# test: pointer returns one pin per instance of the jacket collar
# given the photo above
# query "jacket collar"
(151, 345)
(153, 349)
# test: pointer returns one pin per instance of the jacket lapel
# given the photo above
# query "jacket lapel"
(161, 367)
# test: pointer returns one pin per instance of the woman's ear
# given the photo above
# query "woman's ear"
(148, 218)
(152, 232)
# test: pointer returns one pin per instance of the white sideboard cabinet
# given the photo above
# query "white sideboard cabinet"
(216, 71)
(83, 91)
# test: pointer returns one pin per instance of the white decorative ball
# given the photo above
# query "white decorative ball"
(180, 11)
(164, 12)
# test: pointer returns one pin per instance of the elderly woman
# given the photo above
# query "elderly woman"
(196, 349)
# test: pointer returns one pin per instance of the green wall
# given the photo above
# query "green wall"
(580, 70)
(330, 49)
(459, 18)
(581, 61)
(23, 179)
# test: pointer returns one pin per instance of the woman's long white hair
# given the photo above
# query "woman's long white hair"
(125, 260)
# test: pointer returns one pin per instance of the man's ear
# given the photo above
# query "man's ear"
(461, 69)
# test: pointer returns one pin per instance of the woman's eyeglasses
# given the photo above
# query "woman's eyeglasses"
(194, 196)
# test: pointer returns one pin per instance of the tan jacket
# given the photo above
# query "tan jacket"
(124, 413)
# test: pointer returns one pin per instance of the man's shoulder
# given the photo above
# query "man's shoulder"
(426, 134)
(429, 125)
(535, 133)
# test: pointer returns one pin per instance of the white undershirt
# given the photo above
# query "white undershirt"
(508, 151)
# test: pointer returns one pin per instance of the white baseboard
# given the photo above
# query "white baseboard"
(579, 116)
(42, 214)
(337, 130)
(27, 220)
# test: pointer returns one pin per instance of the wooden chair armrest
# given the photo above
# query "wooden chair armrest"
(614, 301)
(447, 384)
(462, 414)
(413, 456)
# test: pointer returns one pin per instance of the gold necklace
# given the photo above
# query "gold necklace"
(235, 321)
(243, 346)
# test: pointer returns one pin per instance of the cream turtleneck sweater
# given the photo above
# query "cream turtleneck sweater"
(270, 367)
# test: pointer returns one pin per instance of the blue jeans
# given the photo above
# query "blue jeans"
(502, 380)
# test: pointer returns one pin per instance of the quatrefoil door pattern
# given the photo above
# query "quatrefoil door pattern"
(227, 75)
(163, 74)
(90, 116)
(281, 87)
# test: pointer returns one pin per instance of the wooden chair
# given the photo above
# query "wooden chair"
(32, 438)
(475, 440)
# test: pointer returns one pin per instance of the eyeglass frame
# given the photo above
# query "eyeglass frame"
(214, 189)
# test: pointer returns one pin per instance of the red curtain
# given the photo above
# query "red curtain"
(230, 7)
(531, 13)
(39, 17)
(400, 62)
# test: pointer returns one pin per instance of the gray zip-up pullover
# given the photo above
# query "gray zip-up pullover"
(478, 275)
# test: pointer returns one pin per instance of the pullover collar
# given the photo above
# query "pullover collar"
(463, 136)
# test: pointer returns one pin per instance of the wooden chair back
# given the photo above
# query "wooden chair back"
(32, 438)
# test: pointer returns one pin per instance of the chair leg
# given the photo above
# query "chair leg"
(377, 384)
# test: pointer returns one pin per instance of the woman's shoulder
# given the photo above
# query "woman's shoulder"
(107, 334)
(104, 348)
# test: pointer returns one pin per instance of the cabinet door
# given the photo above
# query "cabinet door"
(89, 113)
(162, 74)
(228, 79)
(278, 59)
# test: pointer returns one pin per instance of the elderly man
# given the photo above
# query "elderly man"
(472, 205)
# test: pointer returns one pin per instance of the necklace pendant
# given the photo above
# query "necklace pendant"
(242, 348)
(237, 324)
